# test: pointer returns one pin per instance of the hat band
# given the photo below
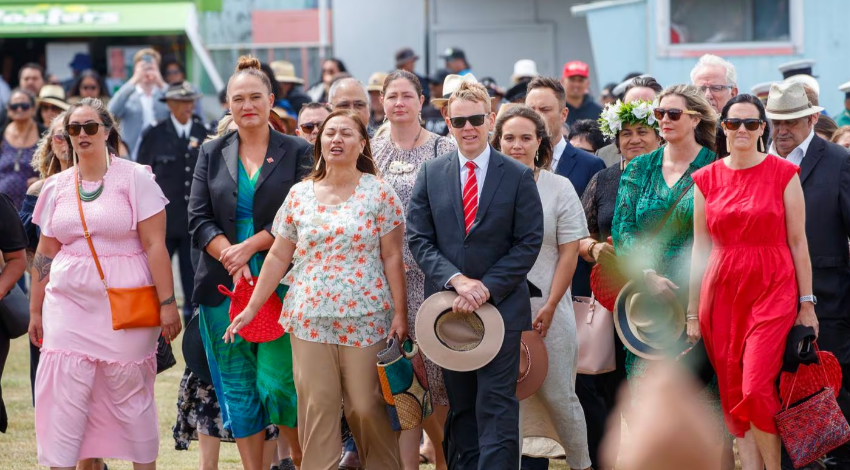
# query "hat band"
(51, 98)
(808, 105)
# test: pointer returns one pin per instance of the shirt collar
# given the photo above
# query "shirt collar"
(183, 130)
(803, 147)
(481, 161)
(557, 151)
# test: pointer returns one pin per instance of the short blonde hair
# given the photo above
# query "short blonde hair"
(147, 51)
(839, 132)
(474, 92)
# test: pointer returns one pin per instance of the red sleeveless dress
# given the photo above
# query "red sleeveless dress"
(748, 301)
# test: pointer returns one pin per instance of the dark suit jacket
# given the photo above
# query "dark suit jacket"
(579, 167)
(212, 205)
(172, 160)
(503, 243)
(825, 174)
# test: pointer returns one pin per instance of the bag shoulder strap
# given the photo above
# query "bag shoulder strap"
(86, 228)
(669, 212)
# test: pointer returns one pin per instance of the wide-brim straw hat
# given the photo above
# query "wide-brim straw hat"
(533, 364)
(458, 341)
(55, 95)
(284, 72)
(649, 326)
(450, 85)
(788, 101)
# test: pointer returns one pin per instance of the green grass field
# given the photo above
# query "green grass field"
(18, 446)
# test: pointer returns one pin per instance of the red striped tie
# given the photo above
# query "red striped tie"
(470, 197)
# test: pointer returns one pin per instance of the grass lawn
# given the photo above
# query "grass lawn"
(18, 446)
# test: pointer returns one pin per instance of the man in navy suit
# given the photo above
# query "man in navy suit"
(475, 225)
(547, 96)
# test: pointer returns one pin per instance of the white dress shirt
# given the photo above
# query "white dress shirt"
(146, 100)
(183, 130)
(556, 153)
(482, 161)
(796, 156)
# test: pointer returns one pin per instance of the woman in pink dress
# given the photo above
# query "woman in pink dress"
(750, 262)
(94, 387)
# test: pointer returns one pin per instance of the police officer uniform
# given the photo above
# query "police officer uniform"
(171, 149)
(843, 118)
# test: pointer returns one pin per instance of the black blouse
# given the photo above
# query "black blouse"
(12, 234)
(599, 201)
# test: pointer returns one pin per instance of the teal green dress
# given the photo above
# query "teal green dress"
(253, 381)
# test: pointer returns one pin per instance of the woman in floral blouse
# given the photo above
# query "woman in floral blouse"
(338, 228)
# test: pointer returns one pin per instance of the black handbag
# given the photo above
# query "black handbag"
(164, 355)
(15, 313)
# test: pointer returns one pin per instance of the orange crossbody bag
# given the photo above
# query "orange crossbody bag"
(132, 307)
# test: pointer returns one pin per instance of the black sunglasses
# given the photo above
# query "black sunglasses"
(734, 124)
(308, 127)
(674, 113)
(89, 87)
(20, 106)
(91, 128)
(476, 120)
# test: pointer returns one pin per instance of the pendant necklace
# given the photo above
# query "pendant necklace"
(404, 166)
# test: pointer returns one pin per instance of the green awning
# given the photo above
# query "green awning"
(95, 19)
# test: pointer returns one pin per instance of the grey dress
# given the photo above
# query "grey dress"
(553, 422)
(385, 152)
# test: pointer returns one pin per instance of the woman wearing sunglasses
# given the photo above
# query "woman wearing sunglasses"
(89, 84)
(18, 139)
(94, 385)
(399, 155)
(652, 236)
(744, 315)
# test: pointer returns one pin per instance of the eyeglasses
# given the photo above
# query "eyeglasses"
(89, 87)
(674, 113)
(91, 128)
(20, 107)
(58, 137)
(308, 127)
(749, 124)
(459, 122)
(714, 88)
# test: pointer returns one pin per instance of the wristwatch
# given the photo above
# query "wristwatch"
(809, 298)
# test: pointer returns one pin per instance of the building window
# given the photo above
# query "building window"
(690, 27)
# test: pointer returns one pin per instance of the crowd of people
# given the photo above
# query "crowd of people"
(721, 217)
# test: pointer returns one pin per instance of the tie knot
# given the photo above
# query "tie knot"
(471, 165)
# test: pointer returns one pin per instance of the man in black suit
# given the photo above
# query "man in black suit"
(547, 96)
(482, 249)
(825, 175)
(171, 149)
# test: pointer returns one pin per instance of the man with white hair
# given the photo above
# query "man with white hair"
(716, 77)
(349, 93)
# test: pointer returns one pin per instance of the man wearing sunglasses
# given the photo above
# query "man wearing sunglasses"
(475, 226)
(312, 116)
(716, 78)
(171, 149)
(825, 176)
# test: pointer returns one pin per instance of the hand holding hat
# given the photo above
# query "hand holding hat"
(472, 294)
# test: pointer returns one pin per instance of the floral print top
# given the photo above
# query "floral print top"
(338, 290)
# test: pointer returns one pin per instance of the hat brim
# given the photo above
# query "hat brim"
(190, 97)
(439, 102)
(374, 88)
(193, 350)
(789, 116)
(442, 355)
(630, 340)
(534, 349)
(55, 102)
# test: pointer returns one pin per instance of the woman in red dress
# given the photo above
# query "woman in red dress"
(751, 260)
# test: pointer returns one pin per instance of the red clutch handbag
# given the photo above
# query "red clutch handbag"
(606, 282)
(814, 425)
(266, 325)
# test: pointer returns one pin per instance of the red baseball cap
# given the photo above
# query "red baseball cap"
(576, 68)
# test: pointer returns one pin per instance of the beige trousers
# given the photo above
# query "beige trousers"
(327, 374)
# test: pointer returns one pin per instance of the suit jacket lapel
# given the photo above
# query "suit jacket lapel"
(274, 154)
(567, 161)
(813, 154)
(230, 153)
(492, 179)
(453, 179)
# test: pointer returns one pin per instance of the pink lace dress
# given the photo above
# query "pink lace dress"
(94, 388)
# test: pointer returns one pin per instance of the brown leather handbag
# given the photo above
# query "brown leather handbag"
(132, 307)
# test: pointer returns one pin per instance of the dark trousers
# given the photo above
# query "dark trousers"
(482, 428)
(5, 343)
(183, 248)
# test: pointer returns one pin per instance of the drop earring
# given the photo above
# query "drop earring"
(107, 157)
(728, 146)
(319, 162)
(761, 144)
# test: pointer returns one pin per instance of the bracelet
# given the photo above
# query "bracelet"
(590, 248)
(168, 301)
(692, 317)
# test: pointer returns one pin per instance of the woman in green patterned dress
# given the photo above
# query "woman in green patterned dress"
(648, 187)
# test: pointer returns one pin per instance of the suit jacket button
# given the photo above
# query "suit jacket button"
(188, 169)
(187, 184)
(235, 193)
(186, 197)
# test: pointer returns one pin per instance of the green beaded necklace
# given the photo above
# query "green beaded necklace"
(88, 196)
